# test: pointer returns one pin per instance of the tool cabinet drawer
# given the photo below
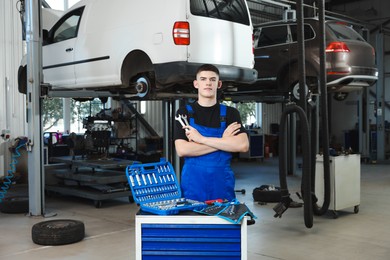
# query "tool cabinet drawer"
(189, 237)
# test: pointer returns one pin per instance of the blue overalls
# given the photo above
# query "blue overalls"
(209, 176)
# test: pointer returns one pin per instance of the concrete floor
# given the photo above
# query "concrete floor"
(110, 230)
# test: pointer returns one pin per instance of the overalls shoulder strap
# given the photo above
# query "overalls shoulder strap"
(222, 115)
(190, 114)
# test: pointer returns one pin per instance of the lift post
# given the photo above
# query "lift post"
(34, 76)
(380, 101)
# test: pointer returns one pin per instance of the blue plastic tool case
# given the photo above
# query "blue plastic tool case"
(155, 188)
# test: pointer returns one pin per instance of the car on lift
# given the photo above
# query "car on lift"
(350, 60)
(146, 49)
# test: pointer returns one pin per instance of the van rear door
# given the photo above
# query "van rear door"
(221, 33)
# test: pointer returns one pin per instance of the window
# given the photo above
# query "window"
(272, 35)
(229, 10)
(308, 32)
(61, 4)
(68, 28)
(343, 32)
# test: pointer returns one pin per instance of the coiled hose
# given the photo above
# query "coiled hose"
(306, 165)
(8, 179)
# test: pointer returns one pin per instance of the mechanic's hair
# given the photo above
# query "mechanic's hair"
(207, 67)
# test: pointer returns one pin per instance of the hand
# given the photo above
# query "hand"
(232, 129)
(192, 134)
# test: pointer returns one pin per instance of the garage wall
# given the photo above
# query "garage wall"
(154, 116)
(12, 104)
(271, 114)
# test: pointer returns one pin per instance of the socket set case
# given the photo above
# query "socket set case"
(154, 187)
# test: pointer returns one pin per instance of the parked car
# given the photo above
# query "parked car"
(350, 60)
(146, 48)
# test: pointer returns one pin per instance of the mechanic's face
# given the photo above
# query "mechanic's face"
(207, 83)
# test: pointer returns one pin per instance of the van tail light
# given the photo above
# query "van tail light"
(181, 33)
(337, 47)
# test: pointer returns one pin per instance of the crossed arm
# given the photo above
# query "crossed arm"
(198, 144)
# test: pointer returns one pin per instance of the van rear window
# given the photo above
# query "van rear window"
(229, 10)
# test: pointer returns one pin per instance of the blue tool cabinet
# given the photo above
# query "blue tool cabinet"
(189, 237)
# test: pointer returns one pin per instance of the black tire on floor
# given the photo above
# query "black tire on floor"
(14, 204)
(58, 232)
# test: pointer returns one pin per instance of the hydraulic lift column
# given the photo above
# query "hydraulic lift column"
(34, 79)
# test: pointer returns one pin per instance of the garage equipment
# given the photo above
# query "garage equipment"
(97, 180)
(284, 204)
(233, 211)
(308, 170)
(266, 193)
(344, 182)
(189, 236)
(18, 143)
(156, 190)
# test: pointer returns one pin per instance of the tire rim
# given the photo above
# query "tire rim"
(295, 91)
(142, 87)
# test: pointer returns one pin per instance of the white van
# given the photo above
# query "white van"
(143, 48)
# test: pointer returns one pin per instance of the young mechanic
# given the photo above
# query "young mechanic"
(215, 131)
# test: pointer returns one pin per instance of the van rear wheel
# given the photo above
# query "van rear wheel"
(143, 85)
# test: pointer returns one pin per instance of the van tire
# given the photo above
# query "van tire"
(58, 232)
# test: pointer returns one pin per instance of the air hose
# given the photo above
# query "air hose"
(14, 161)
(306, 187)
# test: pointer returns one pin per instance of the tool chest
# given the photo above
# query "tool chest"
(155, 188)
(189, 236)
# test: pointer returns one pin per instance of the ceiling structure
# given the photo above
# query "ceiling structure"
(371, 14)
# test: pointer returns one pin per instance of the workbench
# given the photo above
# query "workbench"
(97, 179)
(189, 236)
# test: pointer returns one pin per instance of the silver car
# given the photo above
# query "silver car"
(350, 60)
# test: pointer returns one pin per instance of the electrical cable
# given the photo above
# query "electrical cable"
(8, 179)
